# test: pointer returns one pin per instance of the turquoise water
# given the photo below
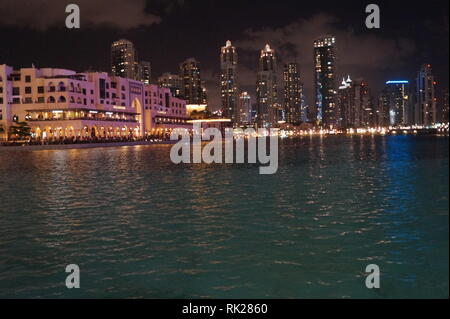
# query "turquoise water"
(141, 227)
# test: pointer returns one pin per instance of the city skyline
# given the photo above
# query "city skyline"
(393, 52)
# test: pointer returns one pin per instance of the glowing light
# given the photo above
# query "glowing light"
(397, 82)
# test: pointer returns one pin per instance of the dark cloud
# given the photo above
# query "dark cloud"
(43, 14)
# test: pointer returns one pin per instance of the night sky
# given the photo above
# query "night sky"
(165, 32)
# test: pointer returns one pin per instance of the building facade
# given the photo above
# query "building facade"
(294, 108)
(58, 103)
(124, 59)
(144, 72)
(172, 82)
(325, 81)
(192, 87)
(228, 82)
(245, 109)
(425, 109)
(267, 89)
(394, 104)
(355, 105)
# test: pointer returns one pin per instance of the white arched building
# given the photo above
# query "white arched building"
(59, 103)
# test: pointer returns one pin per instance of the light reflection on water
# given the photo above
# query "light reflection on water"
(139, 226)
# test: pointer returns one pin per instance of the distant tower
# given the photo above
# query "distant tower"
(293, 94)
(395, 102)
(124, 59)
(228, 82)
(172, 82)
(245, 108)
(145, 72)
(355, 105)
(425, 110)
(325, 84)
(266, 89)
(445, 107)
(192, 87)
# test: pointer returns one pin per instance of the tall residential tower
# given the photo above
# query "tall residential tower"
(266, 89)
(425, 110)
(325, 81)
(293, 94)
(228, 82)
(124, 60)
(192, 87)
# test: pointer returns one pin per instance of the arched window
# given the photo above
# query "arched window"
(72, 99)
(51, 87)
(61, 87)
(78, 88)
(79, 100)
(72, 88)
(61, 99)
(51, 99)
(1, 79)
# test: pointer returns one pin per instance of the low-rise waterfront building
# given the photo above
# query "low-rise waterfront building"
(59, 103)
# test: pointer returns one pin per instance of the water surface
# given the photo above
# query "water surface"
(141, 227)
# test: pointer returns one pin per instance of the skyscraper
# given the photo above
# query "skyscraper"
(228, 82)
(266, 89)
(172, 82)
(145, 72)
(445, 107)
(394, 103)
(192, 87)
(124, 59)
(355, 105)
(325, 84)
(245, 108)
(425, 111)
(293, 94)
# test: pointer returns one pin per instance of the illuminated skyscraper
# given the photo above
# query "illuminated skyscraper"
(266, 89)
(355, 106)
(124, 59)
(192, 88)
(425, 110)
(325, 83)
(293, 94)
(228, 82)
(445, 107)
(245, 108)
(394, 103)
(172, 82)
(144, 72)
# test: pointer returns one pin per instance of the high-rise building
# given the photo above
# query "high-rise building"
(266, 89)
(172, 82)
(124, 59)
(144, 72)
(294, 107)
(325, 83)
(444, 107)
(192, 88)
(245, 109)
(394, 104)
(425, 111)
(355, 106)
(228, 82)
